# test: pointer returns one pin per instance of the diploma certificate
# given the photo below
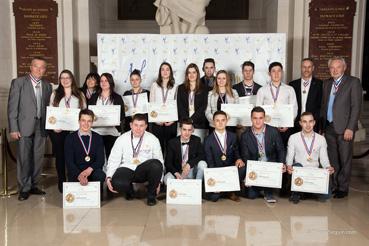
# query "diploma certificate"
(279, 115)
(221, 179)
(58, 118)
(141, 104)
(159, 112)
(77, 196)
(264, 174)
(310, 179)
(184, 191)
(238, 114)
(106, 115)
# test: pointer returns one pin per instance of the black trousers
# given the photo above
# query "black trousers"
(108, 144)
(96, 175)
(57, 140)
(164, 134)
(150, 170)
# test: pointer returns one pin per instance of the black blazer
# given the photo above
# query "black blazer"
(241, 90)
(201, 102)
(274, 147)
(117, 100)
(173, 160)
(213, 152)
(206, 84)
(313, 102)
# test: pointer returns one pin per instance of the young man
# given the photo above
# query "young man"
(28, 97)
(185, 156)
(308, 90)
(262, 142)
(136, 157)
(84, 152)
(221, 149)
(307, 149)
(247, 87)
(208, 68)
(341, 105)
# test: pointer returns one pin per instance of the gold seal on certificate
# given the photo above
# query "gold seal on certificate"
(211, 182)
(136, 161)
(154, 114)
(298, 181)
(52, 120)
(125, 108)
(173, 194)
(223, 157)
(252, 175)
(69, 198)
(87, 158)
(134, 111)
(268, 119)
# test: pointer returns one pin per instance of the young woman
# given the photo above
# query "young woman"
(222, 93)
(91, 85)
(107, 96)
(192, 99)
(66, 95)
(135, 79)
(164, 91)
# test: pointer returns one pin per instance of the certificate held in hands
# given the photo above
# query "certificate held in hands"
(159, 112)
(58, 118)
(264, 174)
(106, 115)
(76, 195)
(221, 179)
(279, 115)
(310, 179)
(184, 191)
(238, 114)
(136, 104)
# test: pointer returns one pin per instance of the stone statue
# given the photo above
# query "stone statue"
(181, 16)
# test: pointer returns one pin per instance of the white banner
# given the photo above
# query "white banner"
(119, 54)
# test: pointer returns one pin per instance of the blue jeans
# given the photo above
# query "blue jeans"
(254, 192)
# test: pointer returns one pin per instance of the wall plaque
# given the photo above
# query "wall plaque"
(36, 34)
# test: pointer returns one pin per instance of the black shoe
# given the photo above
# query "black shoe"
(340, 194)
(37, 191)
(23, 196)
(151, 201)
(129, 196)
(295, 198)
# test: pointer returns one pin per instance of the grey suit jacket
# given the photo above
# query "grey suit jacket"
(346, 106)
(22, 106)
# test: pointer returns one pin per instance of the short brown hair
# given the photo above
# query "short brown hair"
(86, 112)
(306, 114)
(139, 117)
(220, 112)
(185, 121)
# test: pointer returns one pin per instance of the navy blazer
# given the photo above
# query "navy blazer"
(213, 152)
(75, 154)
(173, 159)
(239, 87)
(274, 148)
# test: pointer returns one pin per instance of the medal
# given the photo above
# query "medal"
(87, 150)
(136, 150)
(309, 149)
(223, 150)
(304, 91)
(248, 89)
(134, 100)
(306, 84)
(261, 145)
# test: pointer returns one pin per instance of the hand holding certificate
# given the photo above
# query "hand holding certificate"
(159, 112)
(248, 100)
(58, 118)
(136, 104)
(309, 179)
(77, 196)
(238, 114)
(221, 179)
(186, 191)
(264, 174)
(279, 115)
(106, 115)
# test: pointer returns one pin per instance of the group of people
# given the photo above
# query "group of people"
(137, 151)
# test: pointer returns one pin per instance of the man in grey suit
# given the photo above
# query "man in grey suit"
(28, 97)
(340, 111)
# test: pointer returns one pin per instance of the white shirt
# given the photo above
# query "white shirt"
(121, 154)
(157, 96)
(73, 101)
(296, 152)
(286, 95)
(109, 130)
(304, 95)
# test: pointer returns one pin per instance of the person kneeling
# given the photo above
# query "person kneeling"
(84, 152)
(185, 156)
(135, 157)
(305, 149)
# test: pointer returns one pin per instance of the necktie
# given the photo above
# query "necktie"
(38, 98)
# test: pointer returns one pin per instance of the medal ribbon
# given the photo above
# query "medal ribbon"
(34, 80)
(224, 150)
(261, 145)
(135, 97)
(136, 150)
(249, 88)
(225, 98)
(87, 151)
(310, 149)
(275, 97)
(164, 96)
(105, 101)
(67, 101)
(336, 84)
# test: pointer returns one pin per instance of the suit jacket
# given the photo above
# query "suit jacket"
(346, 106)
(204, 82)
(213, 153)
(22, 106)
(117, 100)
(241, 89)
(313, 101)
(201, 102)
(274, 148)
(173, 159)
